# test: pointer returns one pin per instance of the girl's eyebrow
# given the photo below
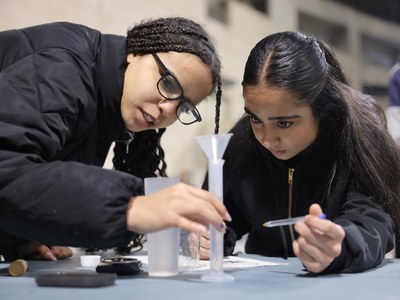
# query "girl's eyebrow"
(290, 117)
(248, 111)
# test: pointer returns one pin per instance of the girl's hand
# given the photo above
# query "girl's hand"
(205, 245)
(320, 241)
(38, 251)
(180, 205)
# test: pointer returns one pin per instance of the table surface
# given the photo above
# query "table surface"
(286, 281)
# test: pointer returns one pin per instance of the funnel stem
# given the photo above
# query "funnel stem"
(217, 237)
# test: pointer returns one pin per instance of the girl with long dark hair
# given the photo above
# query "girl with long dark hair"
(309, 144)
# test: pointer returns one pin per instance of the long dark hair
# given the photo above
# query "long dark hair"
(145, 156)
(349, 120)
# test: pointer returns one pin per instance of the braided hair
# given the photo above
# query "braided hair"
(146, 157)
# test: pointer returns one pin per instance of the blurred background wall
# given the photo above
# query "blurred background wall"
(364, 33)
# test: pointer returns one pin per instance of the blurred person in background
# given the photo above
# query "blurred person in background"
(392, 112)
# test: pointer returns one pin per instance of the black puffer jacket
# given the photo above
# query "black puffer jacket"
(259, 188)
(60, 90)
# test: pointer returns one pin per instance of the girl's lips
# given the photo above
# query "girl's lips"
(145, 119)
(278, 153)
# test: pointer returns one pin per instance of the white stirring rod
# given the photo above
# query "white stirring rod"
(289, 221)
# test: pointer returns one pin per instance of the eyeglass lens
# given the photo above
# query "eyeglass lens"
(169, 87)
(187, 113)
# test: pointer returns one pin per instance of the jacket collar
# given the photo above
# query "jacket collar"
(110, 69)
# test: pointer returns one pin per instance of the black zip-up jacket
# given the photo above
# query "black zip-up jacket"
(259, 188)
(60, 91)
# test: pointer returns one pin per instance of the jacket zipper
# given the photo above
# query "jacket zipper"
(290, 181)
(128, 142)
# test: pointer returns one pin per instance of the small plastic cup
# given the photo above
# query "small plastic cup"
(90, 261)
(163, 245)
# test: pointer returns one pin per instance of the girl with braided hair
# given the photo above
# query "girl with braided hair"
(68, 92)
(146, 157)
(310, 145)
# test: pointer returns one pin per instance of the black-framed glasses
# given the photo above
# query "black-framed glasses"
(169, 87)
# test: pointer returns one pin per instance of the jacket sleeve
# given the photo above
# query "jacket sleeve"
(369, 235)
(42, 198)
(67, 203)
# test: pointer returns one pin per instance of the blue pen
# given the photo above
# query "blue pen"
(289, 221)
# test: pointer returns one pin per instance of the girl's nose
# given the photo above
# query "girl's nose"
(269, 138)
(168, 107)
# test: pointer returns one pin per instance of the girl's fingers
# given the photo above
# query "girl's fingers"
(313, 259)
(205, 245)
(205, 240)
(207, 196)
(36, 250)
(191, 226)
(206, 236)
(61, 252)
(204, 254)
(315, 209)
(180, 205)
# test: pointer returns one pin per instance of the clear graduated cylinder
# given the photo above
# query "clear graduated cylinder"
(216, 237)
(214, 147)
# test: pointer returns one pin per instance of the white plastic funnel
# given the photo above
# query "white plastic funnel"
(214, 145)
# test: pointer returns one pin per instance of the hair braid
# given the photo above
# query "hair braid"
(217, 107)
(146, 144)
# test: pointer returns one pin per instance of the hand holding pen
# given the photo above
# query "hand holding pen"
(319, 241)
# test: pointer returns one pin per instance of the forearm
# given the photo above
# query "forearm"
(69, 204)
